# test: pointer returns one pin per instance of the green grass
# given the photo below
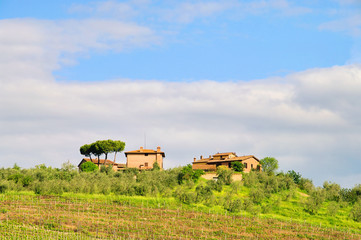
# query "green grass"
(87, 216)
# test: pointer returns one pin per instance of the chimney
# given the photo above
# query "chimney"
(201, 157)
(194, 159)
(210, 156)
(141, 149)
(158, 149)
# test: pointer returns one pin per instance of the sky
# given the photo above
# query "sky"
(274, 78)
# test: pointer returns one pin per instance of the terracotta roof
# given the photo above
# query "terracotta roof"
(203, 160)
(242, 158)
(225, 154)
(121, 165)
(143, 151)
(102, 161)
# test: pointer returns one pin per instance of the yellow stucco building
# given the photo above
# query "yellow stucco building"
(225, 159)
(144, 158)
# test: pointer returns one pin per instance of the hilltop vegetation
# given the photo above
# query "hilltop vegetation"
(281, 196)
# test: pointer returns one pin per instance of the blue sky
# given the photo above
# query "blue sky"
(226, 42)
(274, 78)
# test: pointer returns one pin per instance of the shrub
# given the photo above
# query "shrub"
(314, 202)
(185, 197)
(235, 186)
(332, 191)
(256, 195)
(187, 173)
(237, 166)
(269, 165)
(332, 208)
(306, 184)
(39, 189)
(26, 180)
(3, 187)
(203, 193)
(224, 175)
(88, 167)
(215, 185)
(266, 208)
(156, 167)
(355, 213)
(295, 176)
(234, 206)
(251, 179)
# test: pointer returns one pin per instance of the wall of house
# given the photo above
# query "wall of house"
(140, 160)
(251, 163)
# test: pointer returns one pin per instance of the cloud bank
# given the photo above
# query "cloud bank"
(308, 120)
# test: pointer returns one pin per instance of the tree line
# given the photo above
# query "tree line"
(264, 190)
(101, 147)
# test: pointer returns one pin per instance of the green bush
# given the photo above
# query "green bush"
(203, 193)
(156, 167)
(355, 213)
(237, 166)
(187, 173)
(314, 202)
(332, 208)
(3, 187)
(256, 195)
(39, 189)
(185, 197)
(215, 185)
(306, 184)
(295, 176)
(224, 175)
(88, 167)
(234, 206)
(251, 179)
(332, 191)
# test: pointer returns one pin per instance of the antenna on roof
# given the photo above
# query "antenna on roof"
(145, 141)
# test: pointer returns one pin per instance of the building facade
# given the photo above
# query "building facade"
(144, 158)
(225, 159)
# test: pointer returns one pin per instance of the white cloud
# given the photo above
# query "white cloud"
(284, 118)
(308, 120)
(187, 12)
(350, 25)
(282, 6)
(34, 48)
(119, 10)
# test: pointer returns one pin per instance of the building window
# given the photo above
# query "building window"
(251, 165)
(146, 164)
(245, 165)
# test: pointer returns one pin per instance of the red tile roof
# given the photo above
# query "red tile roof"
(143, 151)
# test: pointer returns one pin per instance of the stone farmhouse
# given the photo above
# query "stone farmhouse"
(142, 159)
(211, 163)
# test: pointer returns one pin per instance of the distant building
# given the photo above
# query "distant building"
(116, 166)
(144, 158)
(225, 159)
(141, 159)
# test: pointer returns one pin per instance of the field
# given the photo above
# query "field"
(25, 215)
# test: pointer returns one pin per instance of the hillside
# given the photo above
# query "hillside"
(139, 203)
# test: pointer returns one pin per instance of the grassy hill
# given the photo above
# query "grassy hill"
(174, 203)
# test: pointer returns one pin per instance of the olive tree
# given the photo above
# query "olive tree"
(269, 164)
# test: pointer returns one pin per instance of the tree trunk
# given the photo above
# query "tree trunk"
(115, 155)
